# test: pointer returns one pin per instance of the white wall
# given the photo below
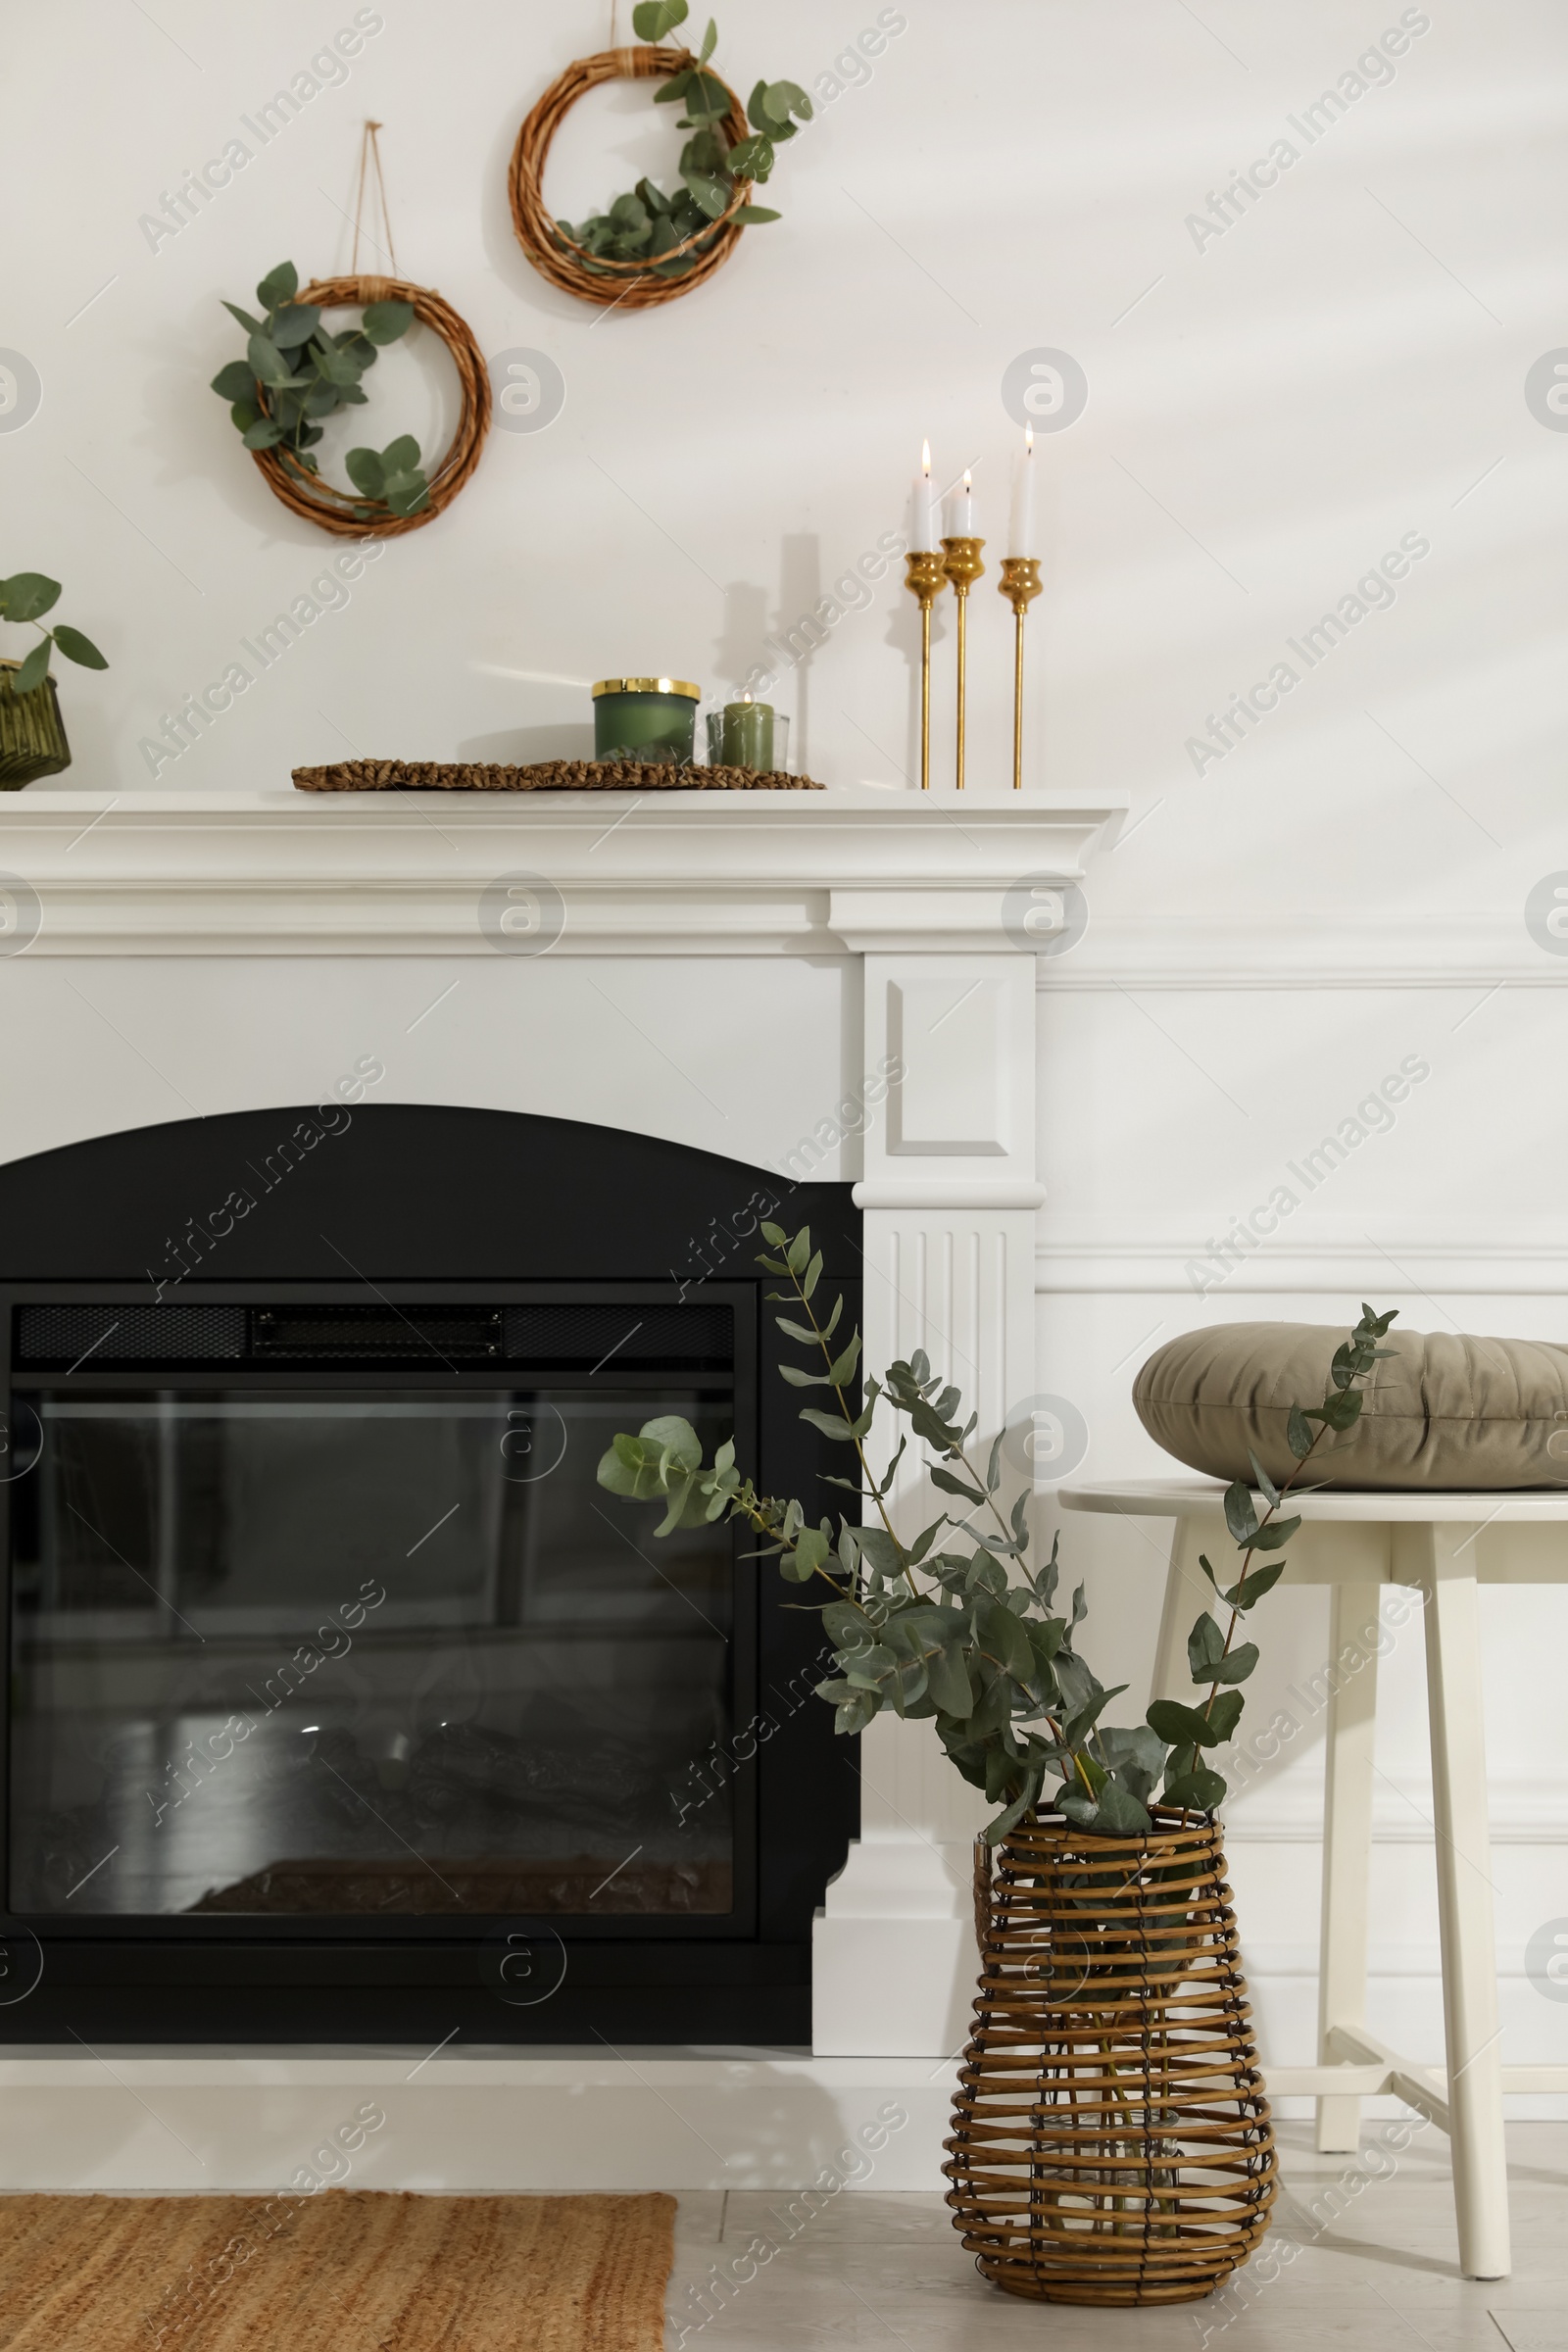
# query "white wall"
(1270, 411)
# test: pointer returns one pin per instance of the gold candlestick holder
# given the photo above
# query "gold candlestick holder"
(1020, 583)
(925, 581)
(962, 566)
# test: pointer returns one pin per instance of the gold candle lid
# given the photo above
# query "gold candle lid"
(648, 686)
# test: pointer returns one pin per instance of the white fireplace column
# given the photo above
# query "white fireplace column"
(949, 1196)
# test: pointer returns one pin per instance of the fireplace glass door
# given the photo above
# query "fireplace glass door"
(364, 1652)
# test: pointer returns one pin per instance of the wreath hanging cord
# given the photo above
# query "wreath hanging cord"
(370, 153)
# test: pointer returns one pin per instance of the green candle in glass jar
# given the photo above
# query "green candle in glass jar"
(646, 718)
(741, 735)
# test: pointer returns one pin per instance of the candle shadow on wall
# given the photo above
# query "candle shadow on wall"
(738, 648)
(798, 631)
(903, 637)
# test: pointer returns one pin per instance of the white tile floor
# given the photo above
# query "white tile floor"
(1372, 2270)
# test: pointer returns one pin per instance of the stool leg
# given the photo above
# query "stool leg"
(1346, 1842)
(1188, 1593)
(1471, 2028)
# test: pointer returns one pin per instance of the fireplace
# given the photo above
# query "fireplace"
(732, 973)
(343, 1703)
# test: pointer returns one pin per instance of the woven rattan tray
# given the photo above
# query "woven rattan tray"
(549, 775)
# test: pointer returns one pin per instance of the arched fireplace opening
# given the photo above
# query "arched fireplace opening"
(344, 1706)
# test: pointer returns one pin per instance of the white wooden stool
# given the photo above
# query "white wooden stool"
(1356, 1541)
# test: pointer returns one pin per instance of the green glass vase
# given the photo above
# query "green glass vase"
(33, 734)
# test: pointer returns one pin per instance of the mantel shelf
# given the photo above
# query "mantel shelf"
(683, 873)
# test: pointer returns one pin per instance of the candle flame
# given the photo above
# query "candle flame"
(967, 485)
(925, 459)
(1028, 440)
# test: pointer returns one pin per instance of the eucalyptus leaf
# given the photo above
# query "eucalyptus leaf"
(1179, 1725)
(651, 19)
(1265, 1484)
(1275, 1535)
(1252, 1586)
(77, 647)
(280, 285)
(267, 363)
(410, 494)
(234, 382)
(1241, 1517)
(26, 595)
(752, 159)
(1120, 1815)
(1201, 1788)
(33, 669)
(707, 99)
(295, 324)
(386, 321)
(783, 99)
(709, 192)
(363, 468)
(334, 365)
(1205, 1646)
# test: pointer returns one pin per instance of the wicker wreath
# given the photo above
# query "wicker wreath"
(626, 285)
(341, 510)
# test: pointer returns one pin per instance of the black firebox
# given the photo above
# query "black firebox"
(344, 1704)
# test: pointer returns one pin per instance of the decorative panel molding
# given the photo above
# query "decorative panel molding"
(950, 1034)
(1399, 948)
(1187, 1269)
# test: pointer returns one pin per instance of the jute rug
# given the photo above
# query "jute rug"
(343, 2270)
(545, 775)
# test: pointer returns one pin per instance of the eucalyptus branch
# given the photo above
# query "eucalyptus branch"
(23, 597)
(871, 1491)
(962, 1645)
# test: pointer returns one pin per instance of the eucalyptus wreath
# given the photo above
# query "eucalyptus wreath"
(296, 373)
(645, 224)
(954, 1626)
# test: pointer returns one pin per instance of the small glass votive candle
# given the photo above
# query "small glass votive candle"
(750, 735)
(646, 718)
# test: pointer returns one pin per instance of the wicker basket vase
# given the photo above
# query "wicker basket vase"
(1112, 2140)
(33, 734)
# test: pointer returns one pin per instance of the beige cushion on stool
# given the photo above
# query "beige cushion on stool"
(1448, 1411)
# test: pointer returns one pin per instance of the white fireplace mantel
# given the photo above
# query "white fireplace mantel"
(162, 953)
(689, 873)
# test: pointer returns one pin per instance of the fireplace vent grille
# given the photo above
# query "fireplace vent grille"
(131, 1335)
(579, 1336)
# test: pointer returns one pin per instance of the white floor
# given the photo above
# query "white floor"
(1360, 2258)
